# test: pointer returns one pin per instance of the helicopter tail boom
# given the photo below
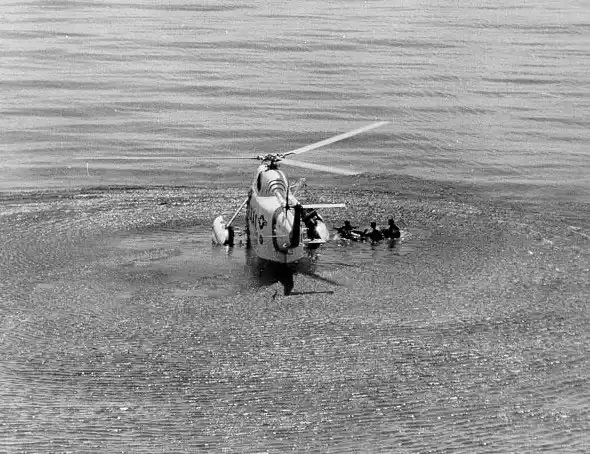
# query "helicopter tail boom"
(314, 206)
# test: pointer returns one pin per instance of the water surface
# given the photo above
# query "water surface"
(123, 330)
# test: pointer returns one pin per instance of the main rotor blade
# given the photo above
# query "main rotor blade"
(337, 138)
(250, 158)
(329, 169)
(162, 158)
(132, 158)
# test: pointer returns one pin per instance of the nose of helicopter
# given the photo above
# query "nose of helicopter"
(286, 228)
(282, 231)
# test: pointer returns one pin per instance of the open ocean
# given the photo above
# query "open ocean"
(488, 97)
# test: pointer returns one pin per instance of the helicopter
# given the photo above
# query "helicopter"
(279, 228)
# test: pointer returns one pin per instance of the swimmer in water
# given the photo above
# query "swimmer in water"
(392, 231)
(346, 230)
(374, 234)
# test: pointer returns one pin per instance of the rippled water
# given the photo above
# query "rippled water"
(122, 329)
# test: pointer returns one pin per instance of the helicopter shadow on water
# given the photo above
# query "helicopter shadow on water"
(252, 273)
(259, 273)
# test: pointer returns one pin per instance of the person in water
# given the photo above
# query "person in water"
(392, 230)
(310, 219)
(374, 234)
(346, 230)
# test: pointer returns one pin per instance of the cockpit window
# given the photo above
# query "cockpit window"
(259, 182)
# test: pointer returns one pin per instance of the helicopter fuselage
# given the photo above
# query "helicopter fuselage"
(273, 218)
(279, 229)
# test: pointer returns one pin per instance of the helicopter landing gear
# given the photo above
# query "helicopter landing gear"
(230, 237)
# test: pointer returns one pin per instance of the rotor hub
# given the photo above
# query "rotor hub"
(270, 157)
